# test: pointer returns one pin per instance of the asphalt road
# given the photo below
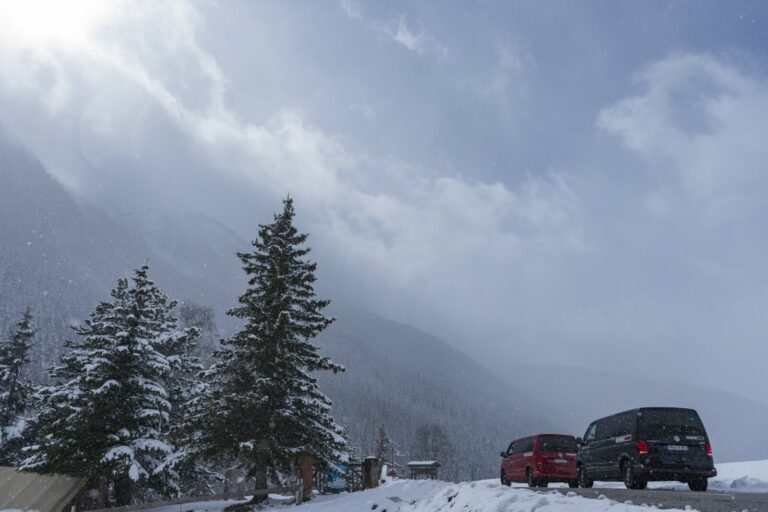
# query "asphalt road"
(711, 501)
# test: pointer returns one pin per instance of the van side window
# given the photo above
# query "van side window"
(625, 424)
(529, 444)
(511, 449)
(524, 445)
(614, 426)
(602, 429)
(590, 435)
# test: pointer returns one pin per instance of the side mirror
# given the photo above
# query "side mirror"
(579, 441)
(503, 454)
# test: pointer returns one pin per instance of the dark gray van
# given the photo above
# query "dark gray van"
(646, 444)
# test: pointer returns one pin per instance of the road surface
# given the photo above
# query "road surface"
(711, 501)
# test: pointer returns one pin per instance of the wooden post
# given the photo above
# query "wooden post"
(306, 470)
(371, 470)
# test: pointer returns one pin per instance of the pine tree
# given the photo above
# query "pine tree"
(264, 405)
(183, 474)
(107, 418)
(203, 319)
(383, 445)
(15, 390)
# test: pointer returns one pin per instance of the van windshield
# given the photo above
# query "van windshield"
(664, 422)
(557, 444)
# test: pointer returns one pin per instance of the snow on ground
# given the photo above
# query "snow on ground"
(490, 496)
(437, 496)
(749, 476)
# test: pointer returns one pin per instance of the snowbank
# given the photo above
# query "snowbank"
(490, 496)
(436, 496)
(751, 476)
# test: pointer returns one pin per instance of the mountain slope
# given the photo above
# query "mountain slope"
(400, 377)
(62, 257)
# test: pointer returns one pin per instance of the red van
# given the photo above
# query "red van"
(539, 460)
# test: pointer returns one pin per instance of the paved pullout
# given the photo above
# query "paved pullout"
(701, 501)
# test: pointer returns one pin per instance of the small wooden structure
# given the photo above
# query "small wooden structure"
(371, 472)
(355, 476)
(364, 474)
(31, 491)
(305, 472)
(423, 469)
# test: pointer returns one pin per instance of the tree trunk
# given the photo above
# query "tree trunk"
(123, 489)
(94, 494)
(260, 476)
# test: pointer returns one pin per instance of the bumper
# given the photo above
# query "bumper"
(566, 475)
(671, 473)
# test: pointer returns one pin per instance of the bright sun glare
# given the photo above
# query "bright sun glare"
(34, 22)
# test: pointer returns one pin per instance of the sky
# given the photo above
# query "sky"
(553, 182)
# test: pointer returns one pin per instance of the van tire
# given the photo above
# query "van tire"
(504, 480)
(582, 479)
(698, 485)
(630, 480)
(532, 482)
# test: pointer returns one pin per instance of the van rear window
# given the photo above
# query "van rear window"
(557, 444)
(666, 422)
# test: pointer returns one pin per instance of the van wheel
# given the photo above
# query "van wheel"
(699, 484)
(532, 482)
(504, 480)
(630, 480)
(581, 477)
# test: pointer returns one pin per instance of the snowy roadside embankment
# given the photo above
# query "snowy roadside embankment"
(490, 496)
(437, 496)
(751, 476)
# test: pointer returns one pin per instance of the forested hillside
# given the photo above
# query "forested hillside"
(61, 257)
(399, 377)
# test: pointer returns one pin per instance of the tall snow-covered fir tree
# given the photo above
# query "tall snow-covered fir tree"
(107, 418)
(15, 389)
(264, 405)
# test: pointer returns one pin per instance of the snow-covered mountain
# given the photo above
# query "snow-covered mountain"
(61, 257)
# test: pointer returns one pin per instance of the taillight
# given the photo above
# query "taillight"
(708, 447)
(642, 447)
(539, 459)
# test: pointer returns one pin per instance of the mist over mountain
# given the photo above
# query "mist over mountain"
(399, 377)
(60, 256)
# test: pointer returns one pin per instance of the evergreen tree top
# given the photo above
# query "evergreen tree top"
(266, 404)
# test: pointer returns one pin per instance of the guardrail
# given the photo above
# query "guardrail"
(297, 490)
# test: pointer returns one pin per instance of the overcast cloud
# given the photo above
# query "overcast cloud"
(547, 182)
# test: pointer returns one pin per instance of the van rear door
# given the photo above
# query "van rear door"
(676, 437)
(558, 455)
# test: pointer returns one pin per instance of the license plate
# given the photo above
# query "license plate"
(559, 461)
(677, 448)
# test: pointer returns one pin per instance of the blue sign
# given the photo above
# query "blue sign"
(337, 478)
